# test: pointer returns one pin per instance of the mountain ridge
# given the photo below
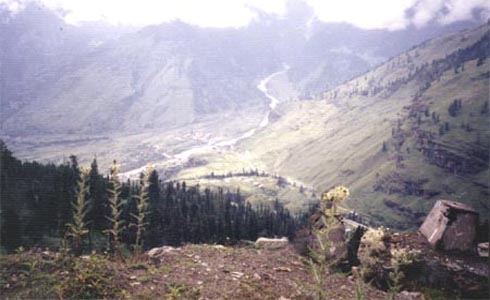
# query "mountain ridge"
(172, 67)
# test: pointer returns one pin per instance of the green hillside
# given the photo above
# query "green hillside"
(413, 130)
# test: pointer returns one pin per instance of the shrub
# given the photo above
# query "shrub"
(91, 277)
(324, 254)
(44, 274)
(400, 258)
(383, 265)
(373, 252)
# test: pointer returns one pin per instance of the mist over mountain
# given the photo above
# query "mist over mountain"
(61, 78)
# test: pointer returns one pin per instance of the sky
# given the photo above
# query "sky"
(366, 14)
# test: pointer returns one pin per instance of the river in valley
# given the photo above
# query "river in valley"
(182, 157)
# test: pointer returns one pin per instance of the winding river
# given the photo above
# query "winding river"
(184, 156)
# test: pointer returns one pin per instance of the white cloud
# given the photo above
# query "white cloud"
(391, 14)
(13, 6)
(447, 11)
(462, 10)
(206, 13)
(425, 11)
(367, 14)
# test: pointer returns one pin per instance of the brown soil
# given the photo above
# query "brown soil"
(189, 272)
(217, 272)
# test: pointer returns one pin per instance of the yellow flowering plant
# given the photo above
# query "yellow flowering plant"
(333, 197)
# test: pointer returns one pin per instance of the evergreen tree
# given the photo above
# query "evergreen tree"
(484, 109)
(98, 198)
(385, 147)
(157, 209)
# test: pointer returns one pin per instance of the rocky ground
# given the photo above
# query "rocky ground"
(459, 275)
(188, 272)
(245, 271)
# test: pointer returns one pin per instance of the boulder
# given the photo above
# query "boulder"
(406, 295)
(451, 226)
(483, 249)
(157, 255)
(270, 243)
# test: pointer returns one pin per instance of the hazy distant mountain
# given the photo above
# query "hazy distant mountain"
(159, 76)
(36, 48)
(335, 53)
(59, 78)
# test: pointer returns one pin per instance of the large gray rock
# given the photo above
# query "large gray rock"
(451, 226)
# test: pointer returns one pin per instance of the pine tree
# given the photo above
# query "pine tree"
(455, 107)
(385, 147)
(441, 130)
(484, 109)
(158, 210)
(97, 196)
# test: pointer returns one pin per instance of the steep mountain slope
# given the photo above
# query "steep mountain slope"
(413, 130)
(36, 46)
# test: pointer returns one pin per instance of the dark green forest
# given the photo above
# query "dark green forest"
(36, 206)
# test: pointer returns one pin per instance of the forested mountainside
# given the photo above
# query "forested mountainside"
(413, 130)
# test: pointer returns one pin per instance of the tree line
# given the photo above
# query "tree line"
(38, 202)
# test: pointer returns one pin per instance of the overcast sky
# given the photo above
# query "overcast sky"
(367, 14)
